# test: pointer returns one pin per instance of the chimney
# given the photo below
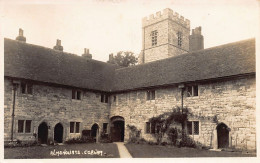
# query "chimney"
(111, 58)
(21, 37)
(196, 40)
(86, 54)
(58, 46)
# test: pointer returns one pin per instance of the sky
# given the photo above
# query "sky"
(109, 26)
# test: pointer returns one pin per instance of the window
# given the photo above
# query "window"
(74, 127)
(26, 88)
(76, 95)
(179, 35)
(154, 37)
(24, 126)
(104, 98)
(114, 98)
(150, 127)
(193, 127)
(192, 91)
(150, 95)
(105, 127)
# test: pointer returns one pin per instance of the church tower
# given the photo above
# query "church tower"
(164, 35)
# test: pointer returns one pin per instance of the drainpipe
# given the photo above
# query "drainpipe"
(14, 93)
(181, 86)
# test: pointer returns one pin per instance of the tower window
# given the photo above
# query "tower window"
(154, 37)
(179, 34)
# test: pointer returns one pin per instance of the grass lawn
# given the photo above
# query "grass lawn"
(109, 150)
(155, 151)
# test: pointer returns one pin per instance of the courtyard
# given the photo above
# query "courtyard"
(110, 150)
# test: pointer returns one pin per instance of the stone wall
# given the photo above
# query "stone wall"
(52, 104)
(231, 101)
(167, 26)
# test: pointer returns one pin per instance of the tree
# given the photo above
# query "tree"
(124, 59)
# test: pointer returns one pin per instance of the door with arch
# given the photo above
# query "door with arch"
(223, 135)
(43, 133)
(117, 129)
(94, 131)
(58, 133)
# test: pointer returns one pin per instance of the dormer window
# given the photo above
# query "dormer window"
(154, 37)
(179, 35)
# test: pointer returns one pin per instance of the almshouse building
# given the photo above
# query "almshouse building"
(51, 95)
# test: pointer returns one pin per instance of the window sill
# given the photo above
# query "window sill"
(23, 133)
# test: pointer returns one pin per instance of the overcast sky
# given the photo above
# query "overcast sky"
(108, 26)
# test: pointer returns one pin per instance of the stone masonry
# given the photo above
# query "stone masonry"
(232, 101)
(52, 104)
(167, 24)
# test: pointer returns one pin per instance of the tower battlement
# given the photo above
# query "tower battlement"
(166, 14)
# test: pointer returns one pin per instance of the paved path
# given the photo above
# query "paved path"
(123, 152)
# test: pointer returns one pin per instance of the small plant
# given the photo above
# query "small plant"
(104, 138)
(134, 134)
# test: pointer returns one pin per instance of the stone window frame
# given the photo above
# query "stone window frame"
(154, 37)
(104, 98)
(150, 128)
(75, 128)
(105, 128)
(193, 130)
(192, 90)
(150, 95)
(76, 94)
(24, 126)
(180, 38)
(26, 88)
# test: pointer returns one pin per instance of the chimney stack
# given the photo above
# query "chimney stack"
(111, 58)
(58, 46)
(86, 54)
(196, 40)
(21, 37)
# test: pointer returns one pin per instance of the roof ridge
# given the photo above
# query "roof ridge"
(191, 53)
(57, 51)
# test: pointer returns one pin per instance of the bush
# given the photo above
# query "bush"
(134, 135)
(104, 138)
(187, 141)
(173, 135)
(80, 140)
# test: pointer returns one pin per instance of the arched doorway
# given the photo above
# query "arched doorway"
(58, 133)
(94, 131)
(117, 129)
(223, 135)
(43, 133)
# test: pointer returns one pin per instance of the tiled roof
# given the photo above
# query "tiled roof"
(38, 63)
(221, 61)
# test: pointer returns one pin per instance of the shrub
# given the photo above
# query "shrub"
(134, 134)
(173, 135)
(80, 140)
(104, 138)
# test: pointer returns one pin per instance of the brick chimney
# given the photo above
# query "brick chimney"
(196, 40)
(58, 46)
(21, 37)
(86, 54)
